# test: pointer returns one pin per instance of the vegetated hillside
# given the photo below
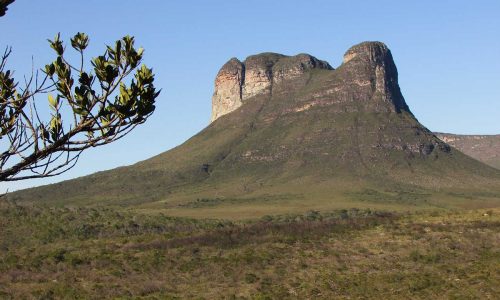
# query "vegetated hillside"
(485, 148)
(294, 133)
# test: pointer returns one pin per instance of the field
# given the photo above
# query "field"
(102, 252)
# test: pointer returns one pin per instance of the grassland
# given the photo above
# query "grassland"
(51, 253)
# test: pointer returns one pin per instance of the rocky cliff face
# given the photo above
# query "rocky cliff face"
(368, 68)
(366, 82)
(228, 88)
(237, 82)
(371, 67)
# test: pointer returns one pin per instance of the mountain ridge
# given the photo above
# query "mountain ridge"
(483, 147)
(321, 134)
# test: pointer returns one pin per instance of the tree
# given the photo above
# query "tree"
(88, 108)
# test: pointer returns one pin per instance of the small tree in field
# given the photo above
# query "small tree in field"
(89, 108)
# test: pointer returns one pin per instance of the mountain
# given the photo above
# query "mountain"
(291, 131)
(485, 148)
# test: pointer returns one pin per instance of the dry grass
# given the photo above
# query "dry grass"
(89, 253)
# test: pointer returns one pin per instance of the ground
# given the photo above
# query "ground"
(100, 252)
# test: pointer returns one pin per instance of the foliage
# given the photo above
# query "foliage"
(89, 108)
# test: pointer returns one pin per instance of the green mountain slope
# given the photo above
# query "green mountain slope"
(292, 132)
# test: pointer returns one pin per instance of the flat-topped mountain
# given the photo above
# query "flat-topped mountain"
(238, 81)
(292, 128)
(485, 148)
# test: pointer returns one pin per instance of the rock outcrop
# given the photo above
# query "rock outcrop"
(368, 68)
(366, 83)
(237, 82)
(228, 88)
(371, 65)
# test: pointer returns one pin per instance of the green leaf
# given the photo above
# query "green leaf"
(52, 102)
(140, 51)
(57, 45)
(50, 69)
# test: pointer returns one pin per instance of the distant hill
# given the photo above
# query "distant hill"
(291, 132)
(485, 148)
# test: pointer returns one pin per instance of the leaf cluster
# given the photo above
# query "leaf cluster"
(104, 103)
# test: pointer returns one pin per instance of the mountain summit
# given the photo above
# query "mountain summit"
(369, 66)
(293, 127)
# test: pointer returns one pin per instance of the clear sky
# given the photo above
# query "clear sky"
(447, 53)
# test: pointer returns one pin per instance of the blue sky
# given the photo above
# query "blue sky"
(447, 53)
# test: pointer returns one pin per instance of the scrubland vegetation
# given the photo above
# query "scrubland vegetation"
(51, 253)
